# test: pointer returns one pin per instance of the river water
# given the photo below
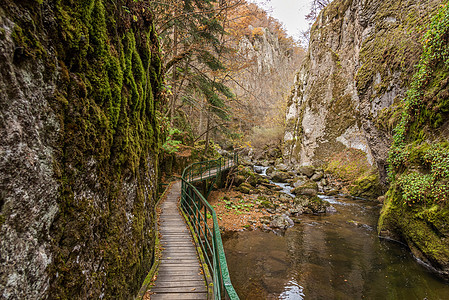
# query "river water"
(332, 256)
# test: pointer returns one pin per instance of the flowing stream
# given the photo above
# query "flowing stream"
(331, 256)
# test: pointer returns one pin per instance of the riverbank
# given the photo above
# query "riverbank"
(336, 256)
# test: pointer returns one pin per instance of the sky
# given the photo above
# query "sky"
(290, 12)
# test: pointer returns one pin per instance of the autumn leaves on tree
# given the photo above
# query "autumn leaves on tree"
(214, 85)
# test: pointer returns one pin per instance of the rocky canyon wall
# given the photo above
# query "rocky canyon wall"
(79, 144)
(269, 63)
(375, 81)
(360, 60)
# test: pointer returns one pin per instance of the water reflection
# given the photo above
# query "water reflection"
(328, 257)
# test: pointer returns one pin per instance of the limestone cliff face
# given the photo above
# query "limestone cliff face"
(270, 63)
(360, 60)
(263, 46)
(79, 143)
(376, 79)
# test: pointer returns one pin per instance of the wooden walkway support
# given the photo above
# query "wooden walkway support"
(180, 274)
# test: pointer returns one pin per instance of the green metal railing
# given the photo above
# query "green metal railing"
(204, 221)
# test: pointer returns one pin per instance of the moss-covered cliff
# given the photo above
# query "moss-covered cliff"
(358, 67)
(79, 144)
(416, 209)
(375, 82)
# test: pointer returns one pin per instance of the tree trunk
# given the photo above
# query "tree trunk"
(206, 147)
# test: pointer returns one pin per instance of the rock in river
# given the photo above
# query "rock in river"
(282, 222)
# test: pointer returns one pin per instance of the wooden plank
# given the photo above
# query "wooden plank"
(179, 296)
(178, 278)
(181, 260)
(180, 270)
(180, 275)
(185, 283)
(180, 289)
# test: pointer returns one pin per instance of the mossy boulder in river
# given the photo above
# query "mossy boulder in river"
(245, 174)
(280, 176)
(307, 170)
(367, 187)
(425, 229)
(309, 205)
(309, 188)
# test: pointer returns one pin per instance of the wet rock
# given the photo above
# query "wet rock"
(310, 205)
(271, 186)
(307, 170)
(300, 181)
(332, 192)
(258, 169)
(281, 222)
(246, 174)
(270, 171)
(331, 210)
(309, 188)
(317, 176)
(367, 187)
(360, 225)
(279, 176)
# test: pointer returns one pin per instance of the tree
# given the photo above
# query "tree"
(316, 6)
(191, 34)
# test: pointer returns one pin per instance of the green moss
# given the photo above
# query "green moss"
(416, 208)
(367, 186)
(389, 49)
(106, 100)
(424, 229)
(267, 204)
(27, 44)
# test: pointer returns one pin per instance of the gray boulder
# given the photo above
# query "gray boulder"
(309, 188)
(318, 176)
(281, 222)
(258, 169)
(307, 170)
(270, 171)
(300, 181)
(279, 176)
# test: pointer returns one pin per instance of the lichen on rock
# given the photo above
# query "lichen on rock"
(360, 61)
(79, 148)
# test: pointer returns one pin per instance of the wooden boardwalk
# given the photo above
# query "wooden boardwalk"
(180, 273)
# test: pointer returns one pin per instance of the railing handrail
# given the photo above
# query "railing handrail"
(218, 266)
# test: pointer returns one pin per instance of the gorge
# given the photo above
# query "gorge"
(104, 103)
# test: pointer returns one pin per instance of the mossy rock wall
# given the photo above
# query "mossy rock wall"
(79, 146)
(416, 208)
(360, 60)
(424, 229)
